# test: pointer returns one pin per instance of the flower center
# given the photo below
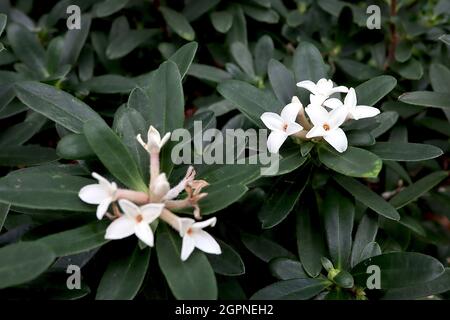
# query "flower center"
(326, 127)
(139, 218)
(189, 231)
(285, 126)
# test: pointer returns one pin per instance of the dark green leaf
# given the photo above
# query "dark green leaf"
(178, 23)
(183, 57)
(228, 263)
(26, 155)
(287, 269)
(308, 63)
(427, 99)
(367, 197)
(373, 90)
(365, 234)
(399, 151)
(264, 248)
(295, 289)
(282, 81)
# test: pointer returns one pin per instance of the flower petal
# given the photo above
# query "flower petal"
(324, 85)
(293, 127)
(151, 211)
(145, 233)
(308, 85)
(161, 186)
(205, 242)
(129, 208)
(103, 207)
(290, 111)
(272, 121)
(333, 103)
(185, 224)
(338, 116)
(275, 141)
(337, 139)
(339, 89)
(120, 228)
(93, 194)
(203, 224)
(317, 131)
(317, 114)
(317, 99)
(165, 139)
(187, 247)
(361, 112)
(350, 99)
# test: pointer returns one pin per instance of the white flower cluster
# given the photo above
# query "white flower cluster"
(138, 209)
(326, 115)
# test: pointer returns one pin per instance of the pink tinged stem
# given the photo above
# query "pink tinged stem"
(171, 219)
(304, 122)
(134, 196)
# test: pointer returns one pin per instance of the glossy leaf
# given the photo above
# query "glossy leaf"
(287, 269)
(295, 289)
(399, 151)
(113, 154)
(178, 23)
(367, 197)
(228, 263)
(365, 234)
(373, 90)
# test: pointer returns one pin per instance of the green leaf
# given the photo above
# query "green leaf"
(399, 269)
(252, 102)
(183, 57)
(357, 70)
(308, 63)
(427, 99)
(243, 58)
(439, 285)
(338, 216)
(281, 199)
(27, 48)
(128, 123)
(178, 23)
(124, 275)
(113, 154)
(23, 262)
(417, 189)
(191, 279)
(26, 155)
(287, 269)
(354, 162)
(439, 77)
(264, 248)
(55, 104)
(108, 7)
(74, 147)
(195, 9)
(238, 30)
(221, 21)
(74, 41)
(109, 84)
(365, 234)
(208, 73)
(127, 41)
(372, 249)
(282, 81)
(360, 138)
(310, 241)
(4, 209)
(228, 263)
(386, 121)
(367, 197)
(295, 289)
(3, 20)
(398, 151)
(221, 196)
(373, 90)
(167, 105)
(77, 240)
(23, 131)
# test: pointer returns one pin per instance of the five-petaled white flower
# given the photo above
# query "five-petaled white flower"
(102, 193)
(321, 90)
(326, 125)
(282, 125)
(135, 220)
(195, 237)
(154, 141)
(354, 111)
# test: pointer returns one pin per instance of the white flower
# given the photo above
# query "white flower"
(154, 141)
(103, 193)
(195, 237)
(320, 90)
(282, 125)
(135, 220)
(354, 111)
(326, 125)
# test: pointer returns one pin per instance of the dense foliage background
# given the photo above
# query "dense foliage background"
(224, 62)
